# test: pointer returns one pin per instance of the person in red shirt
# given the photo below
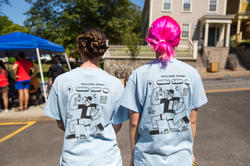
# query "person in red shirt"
(4, 85)
(21, 70)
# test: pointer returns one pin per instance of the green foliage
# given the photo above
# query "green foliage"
(100, 64)
(133, 37)
(7, 26)
(244, 43)
(11, 60)
(4, 21)
(133, 41)
(61, 20)
(14, 28)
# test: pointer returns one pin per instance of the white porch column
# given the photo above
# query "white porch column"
(150, 13)
(195, 49)
(238, 36)
(222, 36)
(228, 35)
(206, 34)
(238, 25)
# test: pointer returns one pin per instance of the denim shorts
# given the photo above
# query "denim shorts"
(22, 84)
(4, 87)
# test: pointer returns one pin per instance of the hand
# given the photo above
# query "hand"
(193, 158)
(132, 162)
(17, 76)
(33, 75)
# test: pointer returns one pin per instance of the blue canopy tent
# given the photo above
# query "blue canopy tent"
(12, 43)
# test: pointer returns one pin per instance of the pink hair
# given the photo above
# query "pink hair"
(163, 36)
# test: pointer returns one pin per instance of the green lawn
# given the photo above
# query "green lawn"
(45, 68)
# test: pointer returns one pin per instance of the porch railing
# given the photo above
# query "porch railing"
(145, 51)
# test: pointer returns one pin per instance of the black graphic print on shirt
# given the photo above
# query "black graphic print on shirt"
(169, 94)
(85, 116)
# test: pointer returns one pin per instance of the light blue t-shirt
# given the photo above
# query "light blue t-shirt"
(86, 101)
(164, 97)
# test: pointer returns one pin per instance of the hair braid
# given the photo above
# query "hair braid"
(92, 42)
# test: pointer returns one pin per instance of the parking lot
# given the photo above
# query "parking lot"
(222, 133)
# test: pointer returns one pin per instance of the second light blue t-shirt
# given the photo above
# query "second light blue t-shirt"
(86, 101)
(164, 97)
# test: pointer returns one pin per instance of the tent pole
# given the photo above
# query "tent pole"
(41, 73)
(67, 60)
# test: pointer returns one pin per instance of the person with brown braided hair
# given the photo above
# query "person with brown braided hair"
(85, 103)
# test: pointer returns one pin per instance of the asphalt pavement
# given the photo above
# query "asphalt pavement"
(222, 136)
(237, 80)
(222, 132)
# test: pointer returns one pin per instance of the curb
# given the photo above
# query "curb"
(34, 113)
(37, 115)
(224, 75)
(25, 119)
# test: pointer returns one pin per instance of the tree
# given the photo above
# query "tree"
(7, 26)
(133, 41)
(14, 28)
(133, 36)
(61, 20)
(4, 21)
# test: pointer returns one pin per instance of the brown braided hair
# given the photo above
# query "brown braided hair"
(92, 43)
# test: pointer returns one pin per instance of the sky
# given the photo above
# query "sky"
(15, 11)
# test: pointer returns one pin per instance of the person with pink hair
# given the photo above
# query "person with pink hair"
(163, 97)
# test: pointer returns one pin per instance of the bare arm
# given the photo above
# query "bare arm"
(117, 128)
(133, 132)
(14, 69)
(60, 124)
(35, 71)
(193, 119)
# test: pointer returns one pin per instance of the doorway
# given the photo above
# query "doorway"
(211, 37)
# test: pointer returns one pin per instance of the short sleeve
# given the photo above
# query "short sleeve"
(16, 63)
(120, 113)
(51, 108)
(199, 97)
(130, 97)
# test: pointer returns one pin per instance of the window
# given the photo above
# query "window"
(186, 5)
(167, 5)
(185, 31)
(212, 5)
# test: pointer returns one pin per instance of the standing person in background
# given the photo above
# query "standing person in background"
(4, 85)
(84, 101)
(163, 98)
(21, 70)
(55, 70)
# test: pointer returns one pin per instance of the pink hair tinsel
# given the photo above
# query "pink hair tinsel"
(163, 36)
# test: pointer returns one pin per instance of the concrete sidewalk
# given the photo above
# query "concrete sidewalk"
(224, 74)
(35, 113)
